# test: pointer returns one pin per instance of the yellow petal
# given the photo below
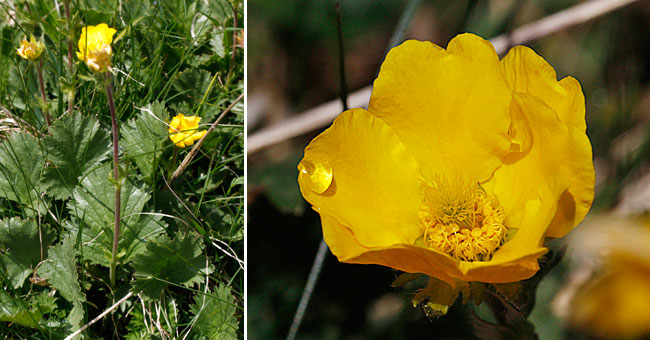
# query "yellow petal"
(449, 107)
(95, 46)
(343, 243)
(556, 165)
(199, 134)
(179, 139)
(375, 182)
(527, 72)
(175, 124)
(191, 122)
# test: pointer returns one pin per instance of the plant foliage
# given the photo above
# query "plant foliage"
(180, 242)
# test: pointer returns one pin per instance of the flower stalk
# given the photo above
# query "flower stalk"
(95, 51)
(116, 177)
(42, 87)
(70, 47)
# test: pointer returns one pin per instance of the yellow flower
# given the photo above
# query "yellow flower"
(460, 167)
(30, 50)
(609, 300)
(95, 47)
(183, 131)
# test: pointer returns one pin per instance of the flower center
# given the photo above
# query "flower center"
(99, 59)
(461, 220)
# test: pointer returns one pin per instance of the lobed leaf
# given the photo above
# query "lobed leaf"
(60, 271)
(76, 145)
(215, 314)
(143, 138)
(22, 245)
(94, 200)
(93, 206)
(14, 310)
(21, 168)
(177, 261)
(193, 83)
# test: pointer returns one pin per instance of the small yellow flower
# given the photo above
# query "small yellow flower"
(30, 50)
(608, 294)
(95, 47)
(460, 168)
(183, 131)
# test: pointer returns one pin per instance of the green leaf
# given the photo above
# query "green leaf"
(94, 200)
(215, 314)
(21, 166)
(143, 138)
(60, 271)
(76, 145)
(134, 239)
(178, 260)
(93, 206)
(22, 246)
(15, 310)
(95, 243)
(44, 302)
(193, 83)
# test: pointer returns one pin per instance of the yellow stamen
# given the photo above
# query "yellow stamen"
(461, 220)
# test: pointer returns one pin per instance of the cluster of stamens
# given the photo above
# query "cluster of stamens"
(462, 220)
(99, 59)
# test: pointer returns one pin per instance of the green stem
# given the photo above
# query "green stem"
(42, 86)
(116, 177)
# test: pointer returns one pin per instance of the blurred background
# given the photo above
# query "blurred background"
(293, 67)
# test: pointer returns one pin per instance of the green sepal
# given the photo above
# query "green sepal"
(436, 295)
(405, 278)
(67, 86)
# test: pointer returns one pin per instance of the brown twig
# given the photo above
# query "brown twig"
(100, 316)
(197, 146)
(324, 114)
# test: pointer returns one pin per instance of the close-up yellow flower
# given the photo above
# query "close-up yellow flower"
(30, 50)
(95, 46)
(184, 130)
(460, 167)
(609, 295)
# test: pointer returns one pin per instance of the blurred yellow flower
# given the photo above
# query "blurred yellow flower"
(460, 167)
(609, 293)
(30, 50)
(183, 131)
(95, 46)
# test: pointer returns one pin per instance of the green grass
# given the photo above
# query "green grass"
(181, 243)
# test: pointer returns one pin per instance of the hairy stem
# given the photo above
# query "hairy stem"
(116, 177)
(67, 17)
(234, 44)
(42, 86)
